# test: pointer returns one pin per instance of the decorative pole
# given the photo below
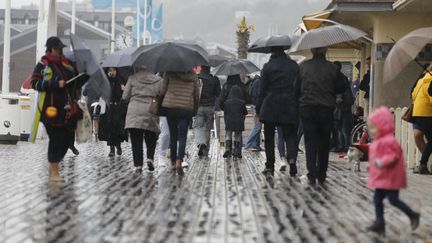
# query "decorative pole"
(113, 9)
(6, 49)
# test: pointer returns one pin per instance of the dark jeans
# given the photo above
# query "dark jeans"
(59, 142)
(317, 126)
(290, 135)
(393, 197)
(178, 122)
(345, 131)
(425, 125)
(137, 136)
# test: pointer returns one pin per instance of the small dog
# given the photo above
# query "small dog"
(355, 156)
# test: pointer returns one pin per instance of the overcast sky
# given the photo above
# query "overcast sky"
(214, 20)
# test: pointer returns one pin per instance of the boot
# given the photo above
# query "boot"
(293, 167)
(237, 150)
(74, 150)
(179, 167)
(415, 221)
(201, 149)
(119, 150)
(112, 151)
(228, 149)
(378, 228)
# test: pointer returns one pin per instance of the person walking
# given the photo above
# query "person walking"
(387, 173)
(346, 108)
(111, 124)
(422, 120)
(277, 106)
(319, 89)
(254, 139)
(182, 93)
(234, 116)
(50, 76)
(204, 119)
(140, 90)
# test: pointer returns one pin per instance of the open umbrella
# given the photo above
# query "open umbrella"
(98, 84)
(264, 45)
(216, 60)
(122, 58)
(234, 67)
(327, 36)
(405, 51)
(169, 56)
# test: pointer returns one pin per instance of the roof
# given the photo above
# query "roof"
(361, 5)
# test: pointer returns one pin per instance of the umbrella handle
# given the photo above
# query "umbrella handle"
(422, 66)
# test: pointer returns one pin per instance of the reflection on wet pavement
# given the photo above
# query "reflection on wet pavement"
(103, 200)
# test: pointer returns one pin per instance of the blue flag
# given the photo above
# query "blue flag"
(157, 25)
(102, 4)
(149, 18)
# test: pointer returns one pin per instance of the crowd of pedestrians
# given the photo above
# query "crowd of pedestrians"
(313, 99)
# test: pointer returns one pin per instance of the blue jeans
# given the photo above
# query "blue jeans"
(254, 138)
(281, 142)
(178, 122)
(393, 197)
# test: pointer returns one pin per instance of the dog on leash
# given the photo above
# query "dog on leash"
(355, 156)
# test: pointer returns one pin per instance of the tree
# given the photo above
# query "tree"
(243, 37)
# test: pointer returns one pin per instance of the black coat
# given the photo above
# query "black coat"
(277, 102)
(319, 82)
(112, 123)
(211, 89)
(232, 81)
(235, 110)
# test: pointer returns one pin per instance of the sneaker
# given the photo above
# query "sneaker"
(138, 169)
(378, 228)
(284, 164)
(150, 165)
(415, 221)
(268, 172)
(185, 164)
(201, 149)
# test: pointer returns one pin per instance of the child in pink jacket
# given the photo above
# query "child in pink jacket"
(387, 173)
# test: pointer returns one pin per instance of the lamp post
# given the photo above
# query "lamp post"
(6, 49)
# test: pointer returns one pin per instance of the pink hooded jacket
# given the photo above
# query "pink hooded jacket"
(385, 148)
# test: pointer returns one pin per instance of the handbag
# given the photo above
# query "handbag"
(408, 115)
(155, 105)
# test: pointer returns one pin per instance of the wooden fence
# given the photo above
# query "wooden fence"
(405, 135)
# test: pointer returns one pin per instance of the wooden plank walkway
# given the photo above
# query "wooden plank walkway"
(216, 201)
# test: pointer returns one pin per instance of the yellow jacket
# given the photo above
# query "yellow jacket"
(421, 99)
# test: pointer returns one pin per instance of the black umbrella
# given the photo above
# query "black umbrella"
(169, 56)
(98, 84)
(122, 58)
(264, 45)
(235, 67)
(216, 60)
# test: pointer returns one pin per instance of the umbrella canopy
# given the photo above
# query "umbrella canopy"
(216, 60)
(169, 57)
(235, 67)
(264, 45)
(406, 51)
(327, 36)
(122, 58)
(98, 84)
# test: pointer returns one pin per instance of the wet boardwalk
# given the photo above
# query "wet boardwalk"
(216, 201)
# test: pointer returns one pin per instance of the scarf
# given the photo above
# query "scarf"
(62, 60)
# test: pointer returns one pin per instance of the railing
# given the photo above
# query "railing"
(405, 135)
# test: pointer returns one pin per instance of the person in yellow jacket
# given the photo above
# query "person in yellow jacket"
(422, 120)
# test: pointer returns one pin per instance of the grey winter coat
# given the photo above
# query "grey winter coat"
(139, 92)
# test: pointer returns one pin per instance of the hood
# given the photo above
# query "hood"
(146, 77)
(185, 77)
(236, 93)
(234, 79)
(383, 119)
